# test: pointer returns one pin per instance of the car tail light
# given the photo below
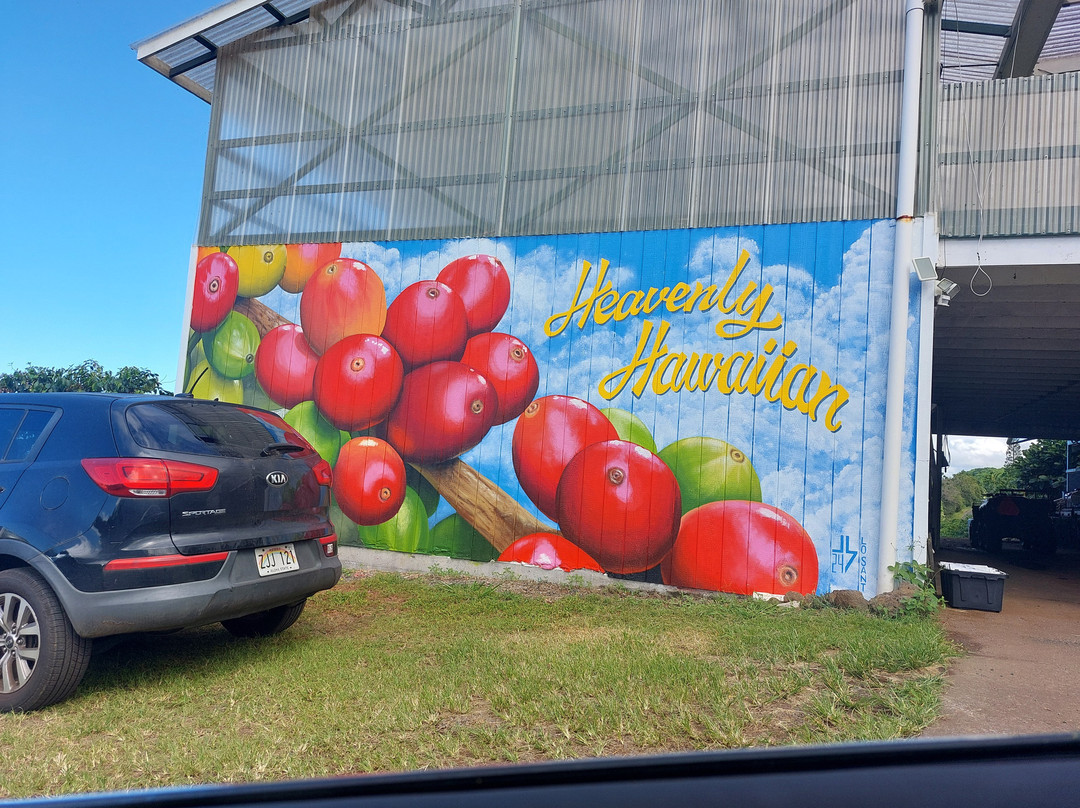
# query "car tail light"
(323, 473)
(147, 476)
(329, 545)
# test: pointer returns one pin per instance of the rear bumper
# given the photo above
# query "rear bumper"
(236, 590)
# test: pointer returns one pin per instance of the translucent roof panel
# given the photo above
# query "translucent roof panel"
(980, 39)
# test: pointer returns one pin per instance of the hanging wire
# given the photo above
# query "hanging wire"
(976, 180)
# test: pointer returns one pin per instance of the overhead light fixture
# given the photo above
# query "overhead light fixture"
(944, 290)
(924, 268)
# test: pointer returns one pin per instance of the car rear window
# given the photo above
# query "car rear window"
(200, 428)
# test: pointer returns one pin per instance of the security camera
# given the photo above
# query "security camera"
(946, 288)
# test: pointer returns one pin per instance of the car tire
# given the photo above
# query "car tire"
(1043, 540)
(42, 659)
(265, 624)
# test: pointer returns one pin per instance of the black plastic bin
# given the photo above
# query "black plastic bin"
(972, 586)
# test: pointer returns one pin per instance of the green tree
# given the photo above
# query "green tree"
(1041, 468)
(994, 479)
(957, 494)
(959, 491)
(88, 377)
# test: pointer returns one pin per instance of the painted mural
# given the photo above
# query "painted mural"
(703, 408)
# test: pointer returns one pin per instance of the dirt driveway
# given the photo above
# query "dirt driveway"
(1020, 674)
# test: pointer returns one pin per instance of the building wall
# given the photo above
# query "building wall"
(730, 377)
(374, 121)
(685, 210)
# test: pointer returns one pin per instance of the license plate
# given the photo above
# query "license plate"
(276, 559)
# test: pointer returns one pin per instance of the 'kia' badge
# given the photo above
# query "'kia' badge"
(277, 478)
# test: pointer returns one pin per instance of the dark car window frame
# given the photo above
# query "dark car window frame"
(13, 417)
(28, 435)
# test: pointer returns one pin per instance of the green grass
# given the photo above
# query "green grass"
(392, 673)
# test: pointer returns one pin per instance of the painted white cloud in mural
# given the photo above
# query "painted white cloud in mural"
(399, 268)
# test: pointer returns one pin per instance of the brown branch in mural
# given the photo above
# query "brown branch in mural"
(495, 514)
(264, 317)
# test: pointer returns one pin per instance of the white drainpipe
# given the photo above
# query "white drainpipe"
(905, 211)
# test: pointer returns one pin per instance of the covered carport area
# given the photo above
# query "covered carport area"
(1007, 364)
(1007, 344)
(1004, 187)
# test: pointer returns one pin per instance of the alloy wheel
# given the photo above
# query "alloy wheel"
(20, 641)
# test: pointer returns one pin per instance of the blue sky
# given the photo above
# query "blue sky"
(102, 176)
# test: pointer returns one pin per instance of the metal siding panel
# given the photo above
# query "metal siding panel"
(1007, 157)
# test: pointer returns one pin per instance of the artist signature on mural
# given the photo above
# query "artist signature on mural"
(845, 554)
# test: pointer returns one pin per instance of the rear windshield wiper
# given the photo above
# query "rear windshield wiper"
(281, 447)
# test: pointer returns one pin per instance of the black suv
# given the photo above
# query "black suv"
(122, 514)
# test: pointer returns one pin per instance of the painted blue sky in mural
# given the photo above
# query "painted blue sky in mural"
(802, 308)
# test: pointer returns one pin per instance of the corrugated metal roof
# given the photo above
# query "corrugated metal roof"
(187, 53)
(988, 39)
(1062, 42)
(980, 39)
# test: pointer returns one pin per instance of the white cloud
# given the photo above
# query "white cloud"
(967, 452)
